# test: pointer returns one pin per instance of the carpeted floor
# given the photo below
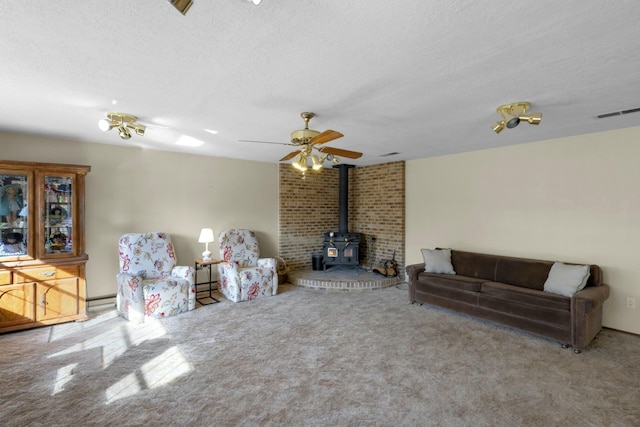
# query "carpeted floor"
(317, 358)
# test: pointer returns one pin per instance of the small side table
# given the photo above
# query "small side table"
(201, 264)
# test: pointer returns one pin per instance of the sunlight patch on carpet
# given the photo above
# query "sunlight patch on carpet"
(157, 372)
(115, 342)
(65, 329)
(63, 376)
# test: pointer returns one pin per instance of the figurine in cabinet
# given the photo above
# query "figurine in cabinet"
(11, 202)
(57, 241)
(12, 242)
(57, 215)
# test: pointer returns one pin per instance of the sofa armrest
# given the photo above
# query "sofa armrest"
(586, 314)
(412, 273)
(589, 298)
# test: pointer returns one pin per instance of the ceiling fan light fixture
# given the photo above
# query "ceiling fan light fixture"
(300, 162)
(512, 114)
(317, 163)
(181, 5)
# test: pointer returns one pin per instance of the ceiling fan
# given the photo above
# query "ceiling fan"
(308, 140)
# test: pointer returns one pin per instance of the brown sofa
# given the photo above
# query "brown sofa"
(511, 291)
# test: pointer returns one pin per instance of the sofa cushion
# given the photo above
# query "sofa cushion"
(424, 289)
(566, 279)
(528, 273)
(452, 280)
(474, 265)
(526, 296)
(437, 261)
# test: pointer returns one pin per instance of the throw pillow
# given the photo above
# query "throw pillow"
(566, 279)
(437, 261)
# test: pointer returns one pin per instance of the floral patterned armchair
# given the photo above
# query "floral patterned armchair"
(149, 283)
(242, 274)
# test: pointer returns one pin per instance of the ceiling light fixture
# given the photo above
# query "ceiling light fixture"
(123, 122)
(513, 113)
(255, 2)
(182, 5)
(301, 160)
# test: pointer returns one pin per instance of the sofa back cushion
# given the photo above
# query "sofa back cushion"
(525, 272)
(471, 264)
(528, 273)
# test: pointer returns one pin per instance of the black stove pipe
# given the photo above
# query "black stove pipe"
(343, 197)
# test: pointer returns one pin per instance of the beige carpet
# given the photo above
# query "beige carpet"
(318, 358)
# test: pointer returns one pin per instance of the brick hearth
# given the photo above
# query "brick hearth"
(340, 278)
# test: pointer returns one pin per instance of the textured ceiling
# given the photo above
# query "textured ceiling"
(420, 78)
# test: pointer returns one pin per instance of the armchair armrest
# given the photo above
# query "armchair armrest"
(130, 298)
(184, 272)
(267, 263)
(188, 273)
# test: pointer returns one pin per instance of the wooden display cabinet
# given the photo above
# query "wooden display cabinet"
(42, 246)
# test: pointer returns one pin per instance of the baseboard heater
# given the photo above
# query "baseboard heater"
(105, 299)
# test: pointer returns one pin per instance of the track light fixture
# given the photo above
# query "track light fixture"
(123, 122)
(182, 5)
(513, 113)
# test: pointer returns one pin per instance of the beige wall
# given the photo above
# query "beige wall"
(136, 190)
(572, 199)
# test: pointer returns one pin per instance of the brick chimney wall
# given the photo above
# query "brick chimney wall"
(377, 212)
(309, 208)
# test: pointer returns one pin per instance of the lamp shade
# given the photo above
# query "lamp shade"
(206, 235)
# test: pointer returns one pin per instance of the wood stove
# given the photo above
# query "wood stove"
(342, 247)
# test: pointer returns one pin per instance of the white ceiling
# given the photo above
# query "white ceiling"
(418, 77)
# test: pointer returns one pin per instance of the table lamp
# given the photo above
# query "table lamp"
(206, 236)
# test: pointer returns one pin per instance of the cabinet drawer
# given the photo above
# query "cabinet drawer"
(5, 277)
(46, 273)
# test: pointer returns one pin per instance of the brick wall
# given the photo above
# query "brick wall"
(309, 207)
(377, 211)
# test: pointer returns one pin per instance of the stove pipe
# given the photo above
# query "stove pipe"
(343, 197)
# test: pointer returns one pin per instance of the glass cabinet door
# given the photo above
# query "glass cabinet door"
(58, 215)
(14, 220)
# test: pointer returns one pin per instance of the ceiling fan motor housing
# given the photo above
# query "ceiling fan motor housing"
(303, 136)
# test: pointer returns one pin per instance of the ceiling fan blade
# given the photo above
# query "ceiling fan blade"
(340, 152)
(264, 142)
(326, 136)
(290, 156)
